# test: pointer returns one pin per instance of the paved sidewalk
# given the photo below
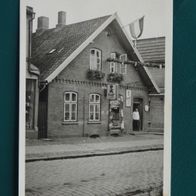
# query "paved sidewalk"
(85, 147)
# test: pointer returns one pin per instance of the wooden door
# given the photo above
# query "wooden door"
(42, 120)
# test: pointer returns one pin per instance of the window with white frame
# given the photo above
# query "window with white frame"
(113, 67)
(123, 57)
(94, 107)
(95, 59)
(113, 55)
(70, 106)
(123, 66)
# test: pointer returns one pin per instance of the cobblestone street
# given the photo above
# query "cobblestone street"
(95, 176)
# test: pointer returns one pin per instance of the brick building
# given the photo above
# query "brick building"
(152, 51)
(91, 78)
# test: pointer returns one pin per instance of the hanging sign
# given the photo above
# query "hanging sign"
(111, 91)
(128, 98)
(146, 108)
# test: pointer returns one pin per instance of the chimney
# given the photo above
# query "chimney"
(42, 23)
(61, 19)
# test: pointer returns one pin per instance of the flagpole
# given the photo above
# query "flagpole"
(135, 43)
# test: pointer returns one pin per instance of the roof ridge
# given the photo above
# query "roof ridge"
(76, 23)
(90, 19)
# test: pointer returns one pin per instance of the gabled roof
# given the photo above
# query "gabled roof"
(152, 49)
(64, 40)
(55, 48)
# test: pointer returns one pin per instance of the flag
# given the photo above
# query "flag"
(136, 28)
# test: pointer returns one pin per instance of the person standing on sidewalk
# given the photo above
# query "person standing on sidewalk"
(136, 120)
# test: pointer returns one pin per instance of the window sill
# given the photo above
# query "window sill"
(94, 122)
(69, 123)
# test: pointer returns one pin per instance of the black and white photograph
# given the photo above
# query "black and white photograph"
(95, 90)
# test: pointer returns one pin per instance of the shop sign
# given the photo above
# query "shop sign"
(111, 91)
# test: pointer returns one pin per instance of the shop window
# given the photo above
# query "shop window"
(94, 107)
(95, 59)
(70, 106)
(30, 103)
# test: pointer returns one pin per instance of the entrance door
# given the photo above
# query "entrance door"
(42, 120)
(138, 103)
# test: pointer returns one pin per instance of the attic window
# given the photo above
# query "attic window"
(53, 50)
(95, 59)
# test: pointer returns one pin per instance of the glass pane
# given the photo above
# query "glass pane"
(91, 116)
(97, 108)
(91, 98)
(66, 107)
(73, 97)
(98, 53)
(91, 108)
(66, 115)
(97, 98)
(73, 107)
(73, 116)
(67, 96)
(96, 116)
(92, 52)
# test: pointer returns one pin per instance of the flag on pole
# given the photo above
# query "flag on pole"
(136, 28)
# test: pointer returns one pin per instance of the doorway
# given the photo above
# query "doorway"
(42, 114)
(138, 103)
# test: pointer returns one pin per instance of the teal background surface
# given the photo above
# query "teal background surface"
(9, 69)
(184, 96)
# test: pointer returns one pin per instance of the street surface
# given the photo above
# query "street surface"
(95, 176)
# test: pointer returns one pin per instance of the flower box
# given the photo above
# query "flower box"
(95, 74)
(115, 77)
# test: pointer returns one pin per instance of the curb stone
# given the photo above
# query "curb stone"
(74, 155)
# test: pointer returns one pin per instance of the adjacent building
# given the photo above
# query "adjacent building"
(32, 77)
(152, 51)
(91, 78)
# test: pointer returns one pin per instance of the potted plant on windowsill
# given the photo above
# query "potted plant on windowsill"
(113, 60)
(115, 77)
(95, 74)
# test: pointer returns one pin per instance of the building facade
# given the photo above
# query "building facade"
(91, 79)
(32, 76)
(153, 52)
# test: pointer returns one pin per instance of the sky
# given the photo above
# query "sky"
(155, 20)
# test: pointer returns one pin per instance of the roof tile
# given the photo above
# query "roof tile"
(152, 49)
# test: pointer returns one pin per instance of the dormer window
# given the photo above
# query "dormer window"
(95, 59)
